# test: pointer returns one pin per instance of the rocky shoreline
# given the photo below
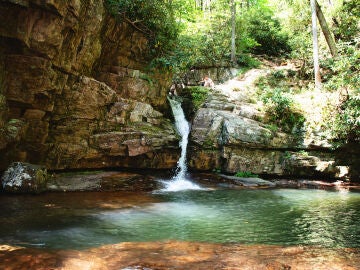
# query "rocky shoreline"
(181, 255)
(27, 178)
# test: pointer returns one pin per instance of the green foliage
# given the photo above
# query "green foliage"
(154, 18)
(287, 80)
(147, 78)
(216, 170)
(205, 39)
(303, 153)
(272, 127)
(286, 156)
(343, 76)
(199, 95)
(347, 21)
(246, 174)
(280, 110)
(278, 74)
(266, 31)
(247, 61)
(343, 71)
(346, 124)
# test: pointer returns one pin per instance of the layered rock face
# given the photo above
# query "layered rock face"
(75, 91)
(226, 136)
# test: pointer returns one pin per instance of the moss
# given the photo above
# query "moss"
(303, 153)
(246, 174)
(41, 179)
(147, 78)
(285, 157)
(147, 128)
(209, 144)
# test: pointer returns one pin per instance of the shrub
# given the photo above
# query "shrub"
(280, 109)
(245, 60)
(342, 75)
(199, 95)
(347, 21)
(245, 174)
(267, 32)
(154, 18)
(346, 125)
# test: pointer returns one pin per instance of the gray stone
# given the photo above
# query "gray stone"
(24, 178)
(250, 181)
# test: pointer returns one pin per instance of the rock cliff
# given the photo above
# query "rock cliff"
(75, 91)
(227, 135)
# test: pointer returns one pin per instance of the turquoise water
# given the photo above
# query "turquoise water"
(277, 216)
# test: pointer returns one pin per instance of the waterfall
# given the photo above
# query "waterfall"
(179, 181)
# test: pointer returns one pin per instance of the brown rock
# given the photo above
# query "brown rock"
(50, 52)
(180, 255)
(34, 114)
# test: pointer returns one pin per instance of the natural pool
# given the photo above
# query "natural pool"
(285, 217)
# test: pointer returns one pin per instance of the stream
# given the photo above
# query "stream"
(276, 217)
(182, 225)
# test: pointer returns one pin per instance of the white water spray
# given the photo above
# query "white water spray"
(179, 181)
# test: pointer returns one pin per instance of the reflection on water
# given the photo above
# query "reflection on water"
(278, 216)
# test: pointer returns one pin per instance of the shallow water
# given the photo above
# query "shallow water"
(278, 217)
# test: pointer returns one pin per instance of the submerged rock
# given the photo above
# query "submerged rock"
(24, 178)
(102, 181)
(249, 181)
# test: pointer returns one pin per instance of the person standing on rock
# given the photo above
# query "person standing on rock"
(207, 82)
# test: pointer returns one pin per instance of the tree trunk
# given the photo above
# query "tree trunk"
(325, 29)
(315, 46)
(198, 3)
(233, 34)
(206, 5)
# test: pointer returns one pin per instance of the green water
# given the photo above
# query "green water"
(277, 216)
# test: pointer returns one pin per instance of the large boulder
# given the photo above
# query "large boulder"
(228, 136)
(24, 178)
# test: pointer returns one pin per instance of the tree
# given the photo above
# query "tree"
(233, 33)
(325, 29)
(315, 45)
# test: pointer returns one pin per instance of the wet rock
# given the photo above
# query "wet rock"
(24, 178)
(101, 181)
(128, 182)
(217, 180)
(248, 181)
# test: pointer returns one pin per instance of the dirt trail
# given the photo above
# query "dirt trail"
(242, 87)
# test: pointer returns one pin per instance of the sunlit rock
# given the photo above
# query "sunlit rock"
(75, 77)
(24, 178)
